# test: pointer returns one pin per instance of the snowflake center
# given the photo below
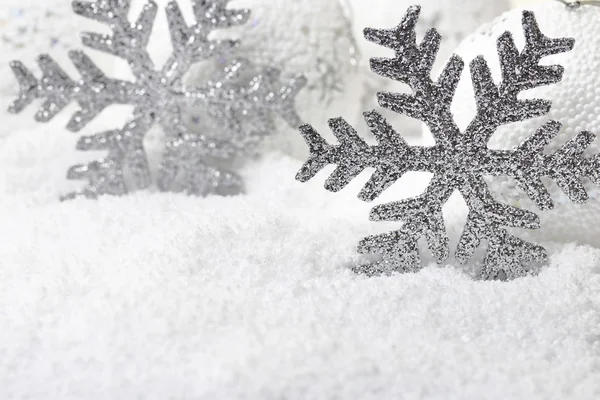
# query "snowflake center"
(457, 164)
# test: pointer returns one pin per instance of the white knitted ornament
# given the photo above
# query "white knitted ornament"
(575, 103)
(453, 19)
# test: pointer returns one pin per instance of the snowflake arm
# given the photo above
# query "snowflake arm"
(422, 217)
(392, 157)
(430, 101)
(191, 43)
(105, 176)
(528, 164)
(93, 91)
(128, 40)
(126, 152)
(499, 104)
(506, 255)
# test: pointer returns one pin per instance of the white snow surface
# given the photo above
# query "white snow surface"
(159, 296)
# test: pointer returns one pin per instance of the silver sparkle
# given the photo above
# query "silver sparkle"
(159, 96)
(458, 160)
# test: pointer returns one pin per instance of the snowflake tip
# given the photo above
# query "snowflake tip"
(28, 87)
(508, 256)
(547, 46)
(317, 147)
(180, 32)
(393, 38)
(383, 131)
(144, 20)
(77, 172)
(411, 17)
(343, 131)
(568, 175)
(85, 9)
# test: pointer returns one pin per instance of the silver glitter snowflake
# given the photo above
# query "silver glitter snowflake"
(191, 160)
(458, 160)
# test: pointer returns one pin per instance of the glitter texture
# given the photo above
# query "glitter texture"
(458, 160)
(159, 96)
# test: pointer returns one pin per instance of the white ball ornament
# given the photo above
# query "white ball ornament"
(575, 103)
(453, 19)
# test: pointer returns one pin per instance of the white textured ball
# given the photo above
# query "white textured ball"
(453, 19)
(575, 103)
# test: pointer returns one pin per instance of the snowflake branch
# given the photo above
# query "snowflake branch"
(125, 149)
(499, 104)
(391, 158)
(506, 254)
(191, 43)
(528, 165)
(93, 92)
(422, 217)
(105, 177)
(128, 40)
(430, 101)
